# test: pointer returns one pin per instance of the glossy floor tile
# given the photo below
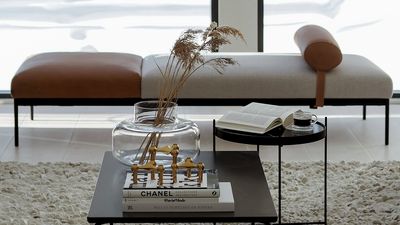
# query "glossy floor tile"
(84, 134)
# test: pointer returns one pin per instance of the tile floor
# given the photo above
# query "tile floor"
(84, 133)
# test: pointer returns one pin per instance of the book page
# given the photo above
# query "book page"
(287, 118)
(285, 114)
(248, 119)
(248, 122)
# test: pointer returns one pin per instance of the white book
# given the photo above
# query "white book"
(225, 203)
(169, 200)
(172, 193)
(257, 118)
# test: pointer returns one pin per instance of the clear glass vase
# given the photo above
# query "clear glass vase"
(155, 124)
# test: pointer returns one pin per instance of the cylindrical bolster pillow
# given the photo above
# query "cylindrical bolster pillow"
(318, 47)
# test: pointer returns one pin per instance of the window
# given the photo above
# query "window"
(367, 28)
(140, 27)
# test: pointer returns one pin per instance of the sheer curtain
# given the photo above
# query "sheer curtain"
(141, 27)
(364, 27)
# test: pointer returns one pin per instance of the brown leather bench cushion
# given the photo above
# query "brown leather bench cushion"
(79, 75)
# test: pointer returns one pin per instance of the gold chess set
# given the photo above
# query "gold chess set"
(151, 166)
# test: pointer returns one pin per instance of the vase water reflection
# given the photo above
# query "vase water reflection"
(133, 137)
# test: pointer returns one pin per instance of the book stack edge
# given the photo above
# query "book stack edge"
(185, 196)
(223, 203)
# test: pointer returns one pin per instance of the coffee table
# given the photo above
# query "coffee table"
(253, 202)
(280, 137)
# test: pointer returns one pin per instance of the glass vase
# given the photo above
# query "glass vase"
(155, 124)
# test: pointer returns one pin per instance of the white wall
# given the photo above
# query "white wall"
(241, 14)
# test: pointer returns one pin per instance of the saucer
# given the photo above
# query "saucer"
(297, 128)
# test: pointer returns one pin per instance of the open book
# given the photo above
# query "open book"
(257, 118)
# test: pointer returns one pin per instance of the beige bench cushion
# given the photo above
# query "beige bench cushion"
(261, 75)
(78, 75)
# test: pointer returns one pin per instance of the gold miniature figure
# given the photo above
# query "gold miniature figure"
(168, 149)
(151, 165)
(200, 170)
(160, 170)
(188, 164)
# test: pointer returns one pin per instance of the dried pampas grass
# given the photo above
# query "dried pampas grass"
(185, 58)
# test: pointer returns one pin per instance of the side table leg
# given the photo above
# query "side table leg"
(213, 133)
(32, 111)
(279, 183)
(364, 112)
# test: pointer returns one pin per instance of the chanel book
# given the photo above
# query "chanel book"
(257, 118)
(224, 203)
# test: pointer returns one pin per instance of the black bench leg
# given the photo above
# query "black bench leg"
(387, 123)
(213, 135)
(364, 112)
(31, 112)
(16, 137)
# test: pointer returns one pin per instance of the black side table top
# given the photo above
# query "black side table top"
(253, 202)
(277, 136)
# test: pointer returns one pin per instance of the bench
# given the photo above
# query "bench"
(77, 78)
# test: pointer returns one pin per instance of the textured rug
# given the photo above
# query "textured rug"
(60, 193)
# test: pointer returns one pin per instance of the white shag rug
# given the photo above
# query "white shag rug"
(60, 193)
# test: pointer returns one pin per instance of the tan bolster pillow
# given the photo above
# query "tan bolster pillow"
(318, 47)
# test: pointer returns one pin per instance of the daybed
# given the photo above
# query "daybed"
(319, 75)
(122, 79)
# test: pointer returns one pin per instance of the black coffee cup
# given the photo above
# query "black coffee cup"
(303, 120)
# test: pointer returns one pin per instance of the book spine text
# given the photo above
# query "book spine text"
(168, 200)
(174, 193)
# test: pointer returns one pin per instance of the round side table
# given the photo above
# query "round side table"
(280, 137)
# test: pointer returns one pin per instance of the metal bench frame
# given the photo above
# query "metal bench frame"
(198, 102)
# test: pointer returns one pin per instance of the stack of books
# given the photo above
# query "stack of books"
(186, 195)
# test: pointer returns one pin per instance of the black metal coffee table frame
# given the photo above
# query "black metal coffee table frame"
(280, 137)
(242, 169)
